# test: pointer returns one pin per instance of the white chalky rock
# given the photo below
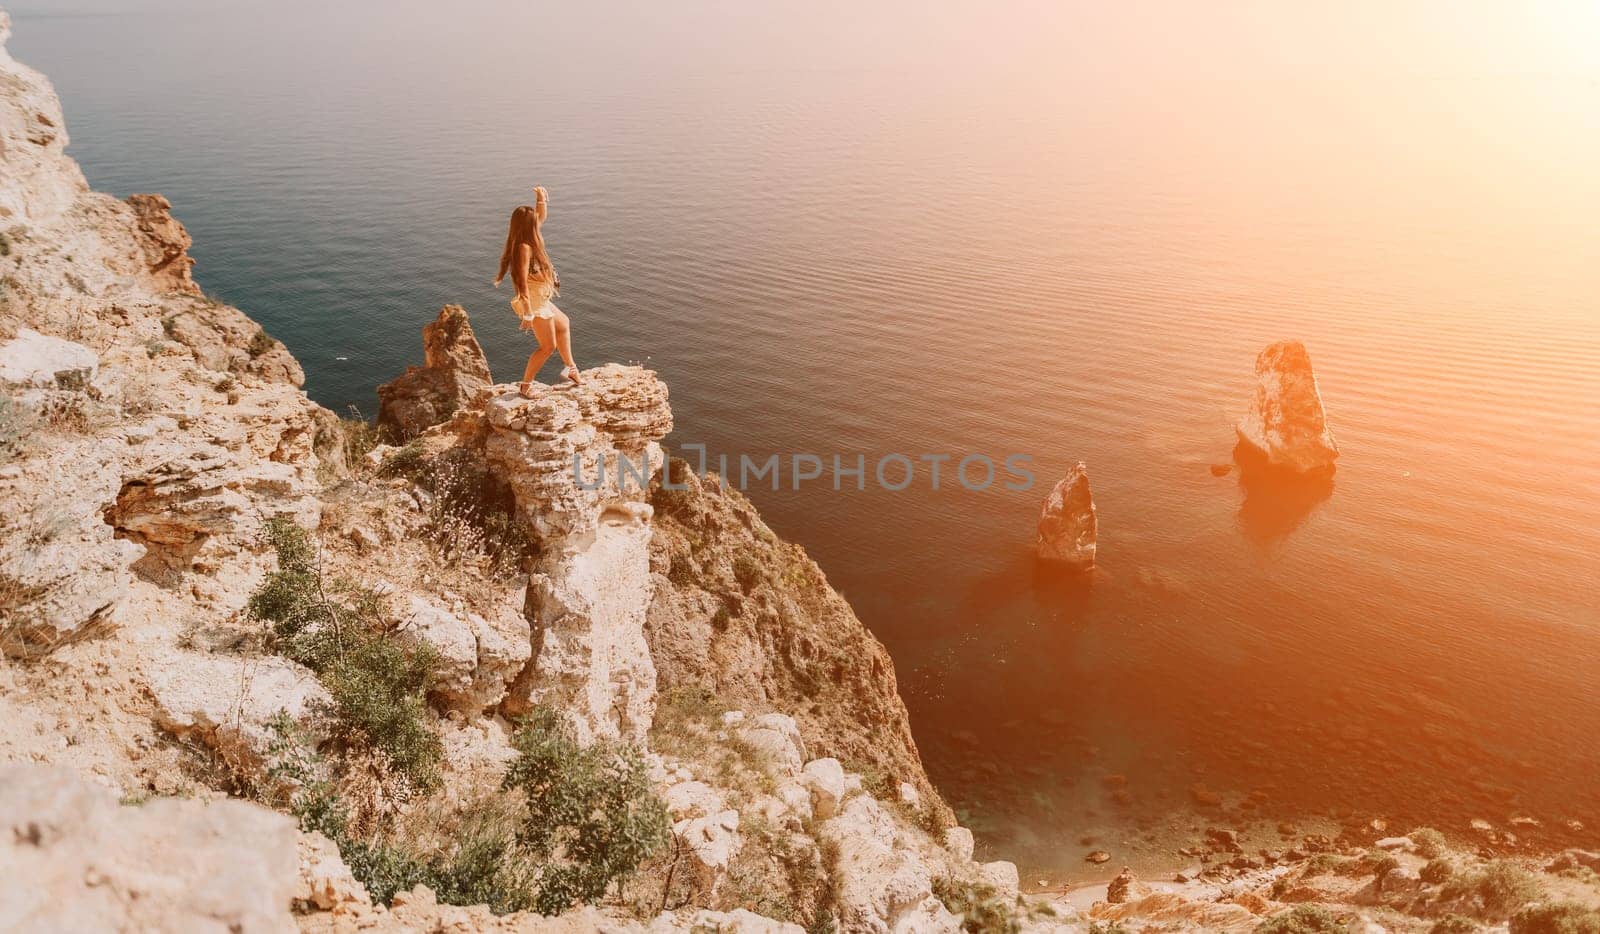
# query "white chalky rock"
(824, 778)
(775, 739)
(35, 360)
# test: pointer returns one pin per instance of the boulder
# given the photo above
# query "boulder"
(1002, 875)
(229, 702)
(38, 361)
(326, 882)
(958, 840)
(824, 778)
(1067, 525)
(712, 841)
(1286, 425)
(74, 860)
(453, 373)
(774, 739)
(1125, 888)
(478, 659)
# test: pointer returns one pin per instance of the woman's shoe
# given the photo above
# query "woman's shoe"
(571, 373)
(525, 390)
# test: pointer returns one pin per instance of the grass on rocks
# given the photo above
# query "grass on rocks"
(340, 631)
(1556, 918)
(982, 908)
(471, 513)
(1306, 919)
(1497, 889)
(566, 824)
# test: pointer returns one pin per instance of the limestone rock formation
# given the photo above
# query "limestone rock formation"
(1286, 425)
(38, 179)
(37, 361)
(146, 430)
(1068, 527)
(166, 243)
(884, 884)
(571, 453)
(587, 609)
(150, 435)
(454, 371)
(753, 619)
(75, 860)
(479, 657)
(228, 703)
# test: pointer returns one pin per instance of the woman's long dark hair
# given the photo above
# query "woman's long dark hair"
(524, 229)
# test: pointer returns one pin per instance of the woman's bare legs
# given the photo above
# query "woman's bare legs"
(544, 332)
(564, 344)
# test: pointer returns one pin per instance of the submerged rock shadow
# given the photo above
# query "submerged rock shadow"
(1276, 501)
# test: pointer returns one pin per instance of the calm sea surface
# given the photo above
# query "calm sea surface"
(1055, 230)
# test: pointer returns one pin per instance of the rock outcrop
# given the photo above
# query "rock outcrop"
(228, 703)
(752, 619)
(578, 462)
(166, 244)
(1068, 527)
(146, 430)
(453, 373)
(1286, 425)
(73, 859)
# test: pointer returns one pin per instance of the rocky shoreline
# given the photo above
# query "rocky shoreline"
(268, 670)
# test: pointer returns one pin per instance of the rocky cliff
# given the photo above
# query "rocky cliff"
(185, 532)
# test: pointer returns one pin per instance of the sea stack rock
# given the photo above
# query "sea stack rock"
(453, 373)
(1286, 424)
(1067, 526)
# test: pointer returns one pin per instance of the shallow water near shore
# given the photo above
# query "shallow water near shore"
(1057, 233)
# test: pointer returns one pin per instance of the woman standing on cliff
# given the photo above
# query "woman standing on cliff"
(536, 283)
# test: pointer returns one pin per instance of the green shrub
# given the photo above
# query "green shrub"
(260, 343)
(747, 571)
(379, 686)
(290, 599)
(681, 571)
(379, 690)
(360, 437)
(1453, 924)
(1556, 918)
(1306, 919)
(1501, 887)
(1429, 842)
(981, 908)
(407, 462)
(486, 867)
(1438, 871)
(1324, 863)
(591, 814)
